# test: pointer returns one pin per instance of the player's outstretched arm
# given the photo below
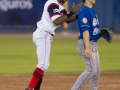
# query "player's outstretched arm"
(72, 19)
(60, 19)
(68, 17)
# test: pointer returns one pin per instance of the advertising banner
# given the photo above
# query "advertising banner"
(20, 12)
(116, 19)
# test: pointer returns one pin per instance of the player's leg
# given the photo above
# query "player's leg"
(36, 77)
(90, 68)
(84, 77)
(37, 87)
(94, 81)
(42, 42)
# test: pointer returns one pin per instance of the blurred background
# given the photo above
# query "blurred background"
(20, 16)
(18, 20)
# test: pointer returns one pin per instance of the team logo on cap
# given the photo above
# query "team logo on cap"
(84, 20)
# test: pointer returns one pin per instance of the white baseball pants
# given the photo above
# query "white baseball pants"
(42, 41)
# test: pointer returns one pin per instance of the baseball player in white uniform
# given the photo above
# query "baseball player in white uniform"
(53, 15)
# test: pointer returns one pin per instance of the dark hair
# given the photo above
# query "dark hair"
(83, 1)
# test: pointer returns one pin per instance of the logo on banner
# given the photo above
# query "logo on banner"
(6, 5)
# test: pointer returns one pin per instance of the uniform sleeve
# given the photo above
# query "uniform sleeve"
(84, 20)
(53, 10)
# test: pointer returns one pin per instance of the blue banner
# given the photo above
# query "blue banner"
(20, 12)
(116, 19)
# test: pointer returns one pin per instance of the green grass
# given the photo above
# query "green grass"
(18, 56)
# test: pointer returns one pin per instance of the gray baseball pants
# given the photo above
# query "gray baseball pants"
(92, 72)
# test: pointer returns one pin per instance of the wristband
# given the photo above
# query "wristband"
(77, 16)
(69, 14)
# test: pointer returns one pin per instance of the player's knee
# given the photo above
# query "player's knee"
(92, 72)
(43, 67)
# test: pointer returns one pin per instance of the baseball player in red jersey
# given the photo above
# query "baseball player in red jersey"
(53, 15)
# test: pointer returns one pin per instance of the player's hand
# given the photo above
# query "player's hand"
(87, 53)
(76, 8)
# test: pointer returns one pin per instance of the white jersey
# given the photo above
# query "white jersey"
(52, 10)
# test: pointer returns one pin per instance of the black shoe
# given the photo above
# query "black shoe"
(29, 89)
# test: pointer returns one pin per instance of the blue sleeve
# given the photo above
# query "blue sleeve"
(84, 20)
(53, 9)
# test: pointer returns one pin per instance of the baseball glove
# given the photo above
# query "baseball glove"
(107, 34)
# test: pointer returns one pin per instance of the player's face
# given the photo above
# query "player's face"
(63, 1)
(92, 1)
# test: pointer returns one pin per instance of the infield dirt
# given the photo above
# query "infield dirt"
(108, 81)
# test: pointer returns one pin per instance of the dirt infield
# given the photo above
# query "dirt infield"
(108, 81)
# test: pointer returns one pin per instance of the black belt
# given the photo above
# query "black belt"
(93, 40)
(52, 34)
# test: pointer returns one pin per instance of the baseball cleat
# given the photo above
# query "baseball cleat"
(29, 89)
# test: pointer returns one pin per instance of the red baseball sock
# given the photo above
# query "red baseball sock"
(37, 87)
(37, 76)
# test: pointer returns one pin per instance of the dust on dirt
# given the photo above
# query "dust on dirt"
(108, 81)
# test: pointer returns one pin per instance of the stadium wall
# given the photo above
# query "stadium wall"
(108, 12)
(23, 14)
